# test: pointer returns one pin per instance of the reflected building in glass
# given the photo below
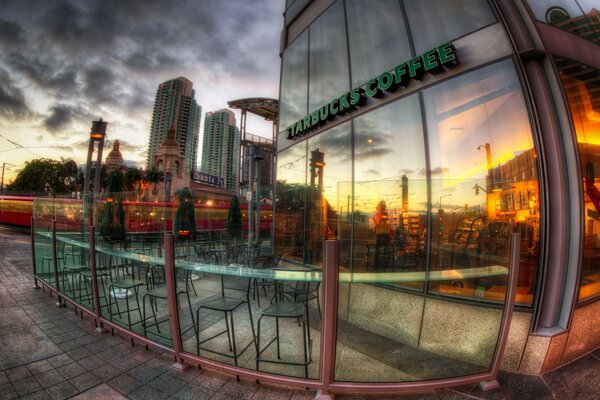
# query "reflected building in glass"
(421, 134)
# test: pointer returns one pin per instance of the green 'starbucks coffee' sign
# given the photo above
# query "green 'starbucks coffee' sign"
(432, 61)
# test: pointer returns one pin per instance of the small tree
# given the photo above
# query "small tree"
(234, 219)
(185, 218)
(154, 175)
(112, 220)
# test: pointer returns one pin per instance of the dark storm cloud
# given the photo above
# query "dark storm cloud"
(46, 72)
(434, 171)
(61, 115)
(11, 32)
(12, 100)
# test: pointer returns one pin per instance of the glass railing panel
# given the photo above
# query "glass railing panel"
(43, 213)
(232, 282)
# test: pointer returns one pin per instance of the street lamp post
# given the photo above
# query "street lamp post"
(441, 210)
(97, 135)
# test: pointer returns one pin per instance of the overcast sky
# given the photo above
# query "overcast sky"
(64, 63)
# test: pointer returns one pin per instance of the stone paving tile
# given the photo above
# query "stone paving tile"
(193, 392)
(26, 386)
(71, 370)
(85, 381)
(92, 362)
(63, 390)
(166, 384)
(269, 393)
(188, 375)
(211, 381)
(125, 384)
(3, 378)
(39, 395)
(18, 373)
(244, 389)
(60, 360)
(49, 378)
(100, 392)
(106, 372)
(146, 393)
(7, 392)
(39, 367)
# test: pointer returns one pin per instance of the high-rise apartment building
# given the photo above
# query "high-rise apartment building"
(175, 106)
(221, 147)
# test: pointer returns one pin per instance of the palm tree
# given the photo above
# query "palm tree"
(154, 175)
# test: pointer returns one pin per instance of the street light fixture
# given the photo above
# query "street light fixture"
(441, 210)
(97, 135)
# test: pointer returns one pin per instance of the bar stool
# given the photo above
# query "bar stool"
(263, 262)
(160, 292)
(297, 310)
(227, 305)
(121, 287)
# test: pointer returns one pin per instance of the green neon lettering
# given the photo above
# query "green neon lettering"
(332, 108)
(431, 62)
(400, 76)
(314, 119)
(447, 55)
(357, 97)
(298, 128)
(344, 105)
(415, 68)
(385, 81)
(368, 88)
(324, 113)
(306, 123)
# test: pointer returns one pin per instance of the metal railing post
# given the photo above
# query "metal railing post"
(330, 286)
(95, 294)
(511, 291)
(61, 302)
(33, 264)
(171, 282)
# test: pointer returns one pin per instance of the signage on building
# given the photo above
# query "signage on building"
(203, 177)
(432, 61)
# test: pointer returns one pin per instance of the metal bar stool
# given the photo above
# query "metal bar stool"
(156, 292)
(282, 309)
(121, 288)
(227, 305)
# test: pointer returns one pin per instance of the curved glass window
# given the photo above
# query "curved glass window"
(580, 17)
(484, 181)
(582, 86)
(375, 27)
(294, 82)
(328, 62)
(390, 189)
(433, 22)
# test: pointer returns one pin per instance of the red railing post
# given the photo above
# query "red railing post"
(330, 284)
(61, 302)
(33, 264)
(171, 282)
(95, 294)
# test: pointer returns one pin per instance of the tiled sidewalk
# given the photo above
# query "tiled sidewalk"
(48, 352)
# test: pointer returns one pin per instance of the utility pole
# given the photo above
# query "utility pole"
(2, 181)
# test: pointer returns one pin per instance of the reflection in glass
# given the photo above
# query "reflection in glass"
(580, 17)
(290, 193)
(390, 189)
(328, 58)
(581, 84)
(375, 27)
(484, 179)
(294, 82)
(329, 168)
(435, 22)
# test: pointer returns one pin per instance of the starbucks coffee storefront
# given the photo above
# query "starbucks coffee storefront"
(420, 140)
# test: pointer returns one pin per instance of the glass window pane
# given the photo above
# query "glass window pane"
(582, 86)
(580, 17)
(390, 190)
(294, 82)
(375, 27)
(328, 58)
(433, 22)
(290, 195)
(329, 171)
(484, 180)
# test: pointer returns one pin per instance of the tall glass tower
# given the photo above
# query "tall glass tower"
(221, 147)
(175, 106)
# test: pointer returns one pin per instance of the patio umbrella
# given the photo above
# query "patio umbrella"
(234, 219)
(112, 220)
(185, 218)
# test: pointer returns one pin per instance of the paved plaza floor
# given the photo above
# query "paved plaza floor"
(48, 352)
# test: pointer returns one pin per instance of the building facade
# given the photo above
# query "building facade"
(221, 147)
(421, 135)
(175, 106)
